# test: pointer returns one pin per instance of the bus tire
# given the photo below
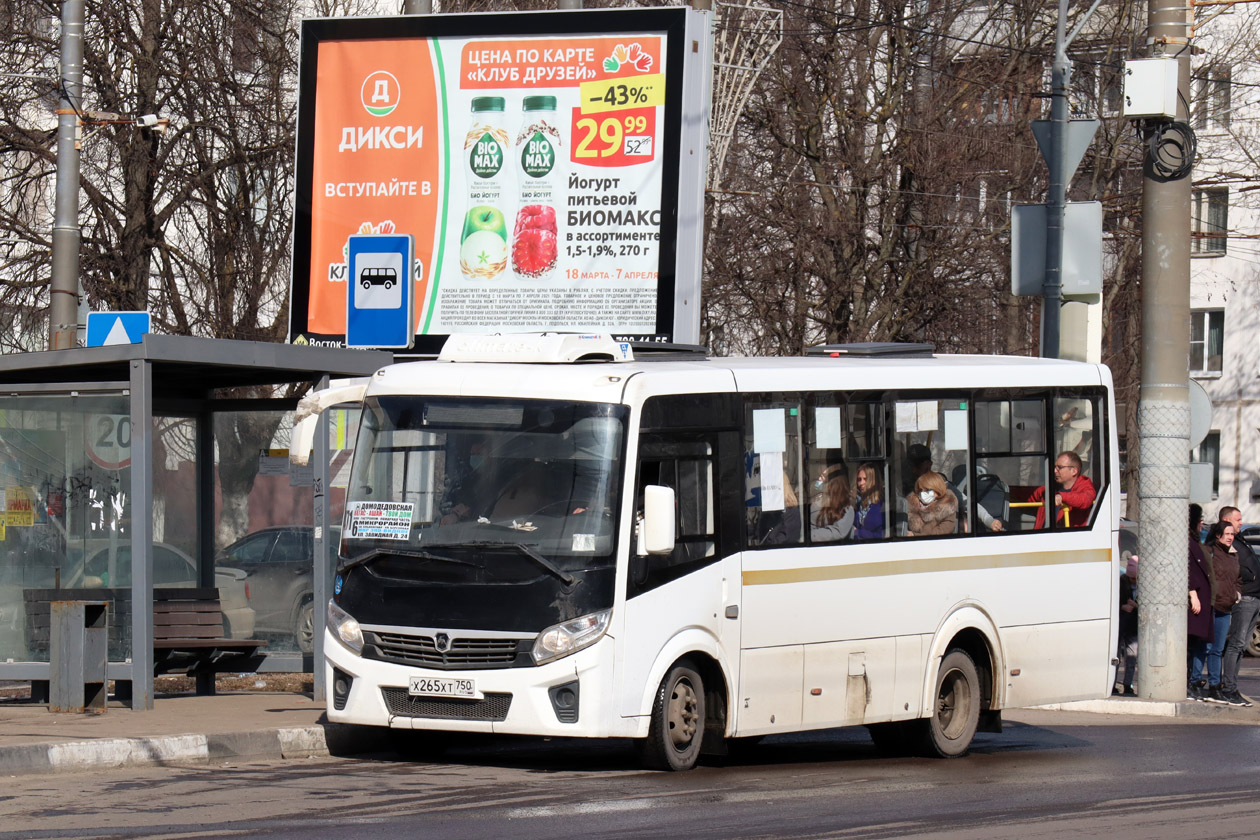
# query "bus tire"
(677, 726)
(955, 714)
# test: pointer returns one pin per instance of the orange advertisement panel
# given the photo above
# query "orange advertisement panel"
(536, 170)
(377, 147)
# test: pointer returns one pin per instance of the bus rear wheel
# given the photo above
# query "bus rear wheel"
(948, 731)
(677, 726)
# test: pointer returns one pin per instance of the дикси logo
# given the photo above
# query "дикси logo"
(380, 93)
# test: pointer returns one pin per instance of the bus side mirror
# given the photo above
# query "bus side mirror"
(656, 531)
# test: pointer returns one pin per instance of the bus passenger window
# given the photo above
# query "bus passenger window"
(1011, 464)
(931, 459)
(772, 477)
(841, 436)
(1075, 430)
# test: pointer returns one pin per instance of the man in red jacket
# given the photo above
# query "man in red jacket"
(1075, 494)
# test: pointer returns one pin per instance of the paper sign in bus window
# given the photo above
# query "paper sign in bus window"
(772, 481)
(769, 430)
(380, 520)
(827, 427)
(955, 429)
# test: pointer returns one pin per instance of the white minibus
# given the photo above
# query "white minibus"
(565, 535)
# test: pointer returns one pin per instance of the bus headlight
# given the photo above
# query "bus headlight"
(562, 639)
(345, 627)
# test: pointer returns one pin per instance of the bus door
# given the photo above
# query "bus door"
(696, 587)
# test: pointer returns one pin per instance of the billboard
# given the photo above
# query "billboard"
(549, 165)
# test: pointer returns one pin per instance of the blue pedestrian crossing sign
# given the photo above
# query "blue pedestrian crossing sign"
(380, 293)
(106, 328)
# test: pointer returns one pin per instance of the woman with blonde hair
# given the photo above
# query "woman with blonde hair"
(833, 512)
(931, 509)
(868, 519)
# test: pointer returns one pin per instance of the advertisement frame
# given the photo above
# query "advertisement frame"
(683, 136)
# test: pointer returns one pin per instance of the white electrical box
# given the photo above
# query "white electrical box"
(1150, 88)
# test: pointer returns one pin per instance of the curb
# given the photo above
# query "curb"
(1156, 708)
(294, 742)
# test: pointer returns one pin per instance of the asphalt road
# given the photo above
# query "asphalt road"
(1050, 775)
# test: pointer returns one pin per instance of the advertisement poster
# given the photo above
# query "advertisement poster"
(535, 172)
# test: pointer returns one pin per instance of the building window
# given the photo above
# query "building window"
(1209, 221)
(1207, 340)
(1210, 453)
(1212, 100)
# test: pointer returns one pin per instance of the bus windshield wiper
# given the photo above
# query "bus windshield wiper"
(523, 548)
(413, 553)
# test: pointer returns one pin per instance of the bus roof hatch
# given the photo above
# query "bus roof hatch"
(874, 349)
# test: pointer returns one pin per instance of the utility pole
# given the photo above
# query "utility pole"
(63, 306)
(1056, 199)
(1164, 404)
(417, 7)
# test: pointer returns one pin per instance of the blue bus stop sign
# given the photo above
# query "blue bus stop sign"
(380, 294)
(107, 328)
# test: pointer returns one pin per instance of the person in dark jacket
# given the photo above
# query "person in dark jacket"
(1199, 615)
(1127, 649)
(1225, 593)
(1243, 616)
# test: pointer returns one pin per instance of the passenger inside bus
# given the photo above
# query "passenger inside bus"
(931, 508)
(868, 515)
(831, 514)
(1074, 493)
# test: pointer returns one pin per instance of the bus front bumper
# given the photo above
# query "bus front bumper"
(562, 698)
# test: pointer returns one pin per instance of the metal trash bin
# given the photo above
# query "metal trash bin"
(78, 651)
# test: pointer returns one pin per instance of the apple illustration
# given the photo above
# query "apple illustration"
(484, 218)
(483, 254)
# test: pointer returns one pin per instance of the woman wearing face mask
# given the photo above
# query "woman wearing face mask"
(931, 509)
(833, 506)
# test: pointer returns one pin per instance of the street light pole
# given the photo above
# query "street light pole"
(63, 310)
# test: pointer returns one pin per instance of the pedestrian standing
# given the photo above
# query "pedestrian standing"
(1127, 648)
(1243, 616)
(1199, 614)
(1225, 594)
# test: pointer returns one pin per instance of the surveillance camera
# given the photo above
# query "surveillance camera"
(147, 120)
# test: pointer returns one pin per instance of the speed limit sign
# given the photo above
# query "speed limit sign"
(108, 438)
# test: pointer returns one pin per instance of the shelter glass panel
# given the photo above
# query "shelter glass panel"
(65, 490)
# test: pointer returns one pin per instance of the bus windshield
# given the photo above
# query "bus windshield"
(458, 488)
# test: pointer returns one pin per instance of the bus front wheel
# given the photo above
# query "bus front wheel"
(955, 707)
(677, 726)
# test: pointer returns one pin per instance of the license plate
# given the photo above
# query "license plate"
(442, 687)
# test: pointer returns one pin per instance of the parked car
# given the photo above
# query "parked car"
(171, 568)
(278, 565)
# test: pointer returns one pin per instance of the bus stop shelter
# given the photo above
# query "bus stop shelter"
(107, 451)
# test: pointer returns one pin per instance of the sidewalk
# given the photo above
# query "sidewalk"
(285, 725)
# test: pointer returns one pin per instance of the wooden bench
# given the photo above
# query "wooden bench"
(188, 635)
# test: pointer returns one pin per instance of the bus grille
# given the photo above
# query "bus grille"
(464, 653)
(494, 707)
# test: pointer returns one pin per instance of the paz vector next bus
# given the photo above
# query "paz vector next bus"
(565, 535)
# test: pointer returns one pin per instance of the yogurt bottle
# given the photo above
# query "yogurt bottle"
(483, 246)
(537, 156)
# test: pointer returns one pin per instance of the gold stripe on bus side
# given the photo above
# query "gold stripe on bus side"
(922, 565)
